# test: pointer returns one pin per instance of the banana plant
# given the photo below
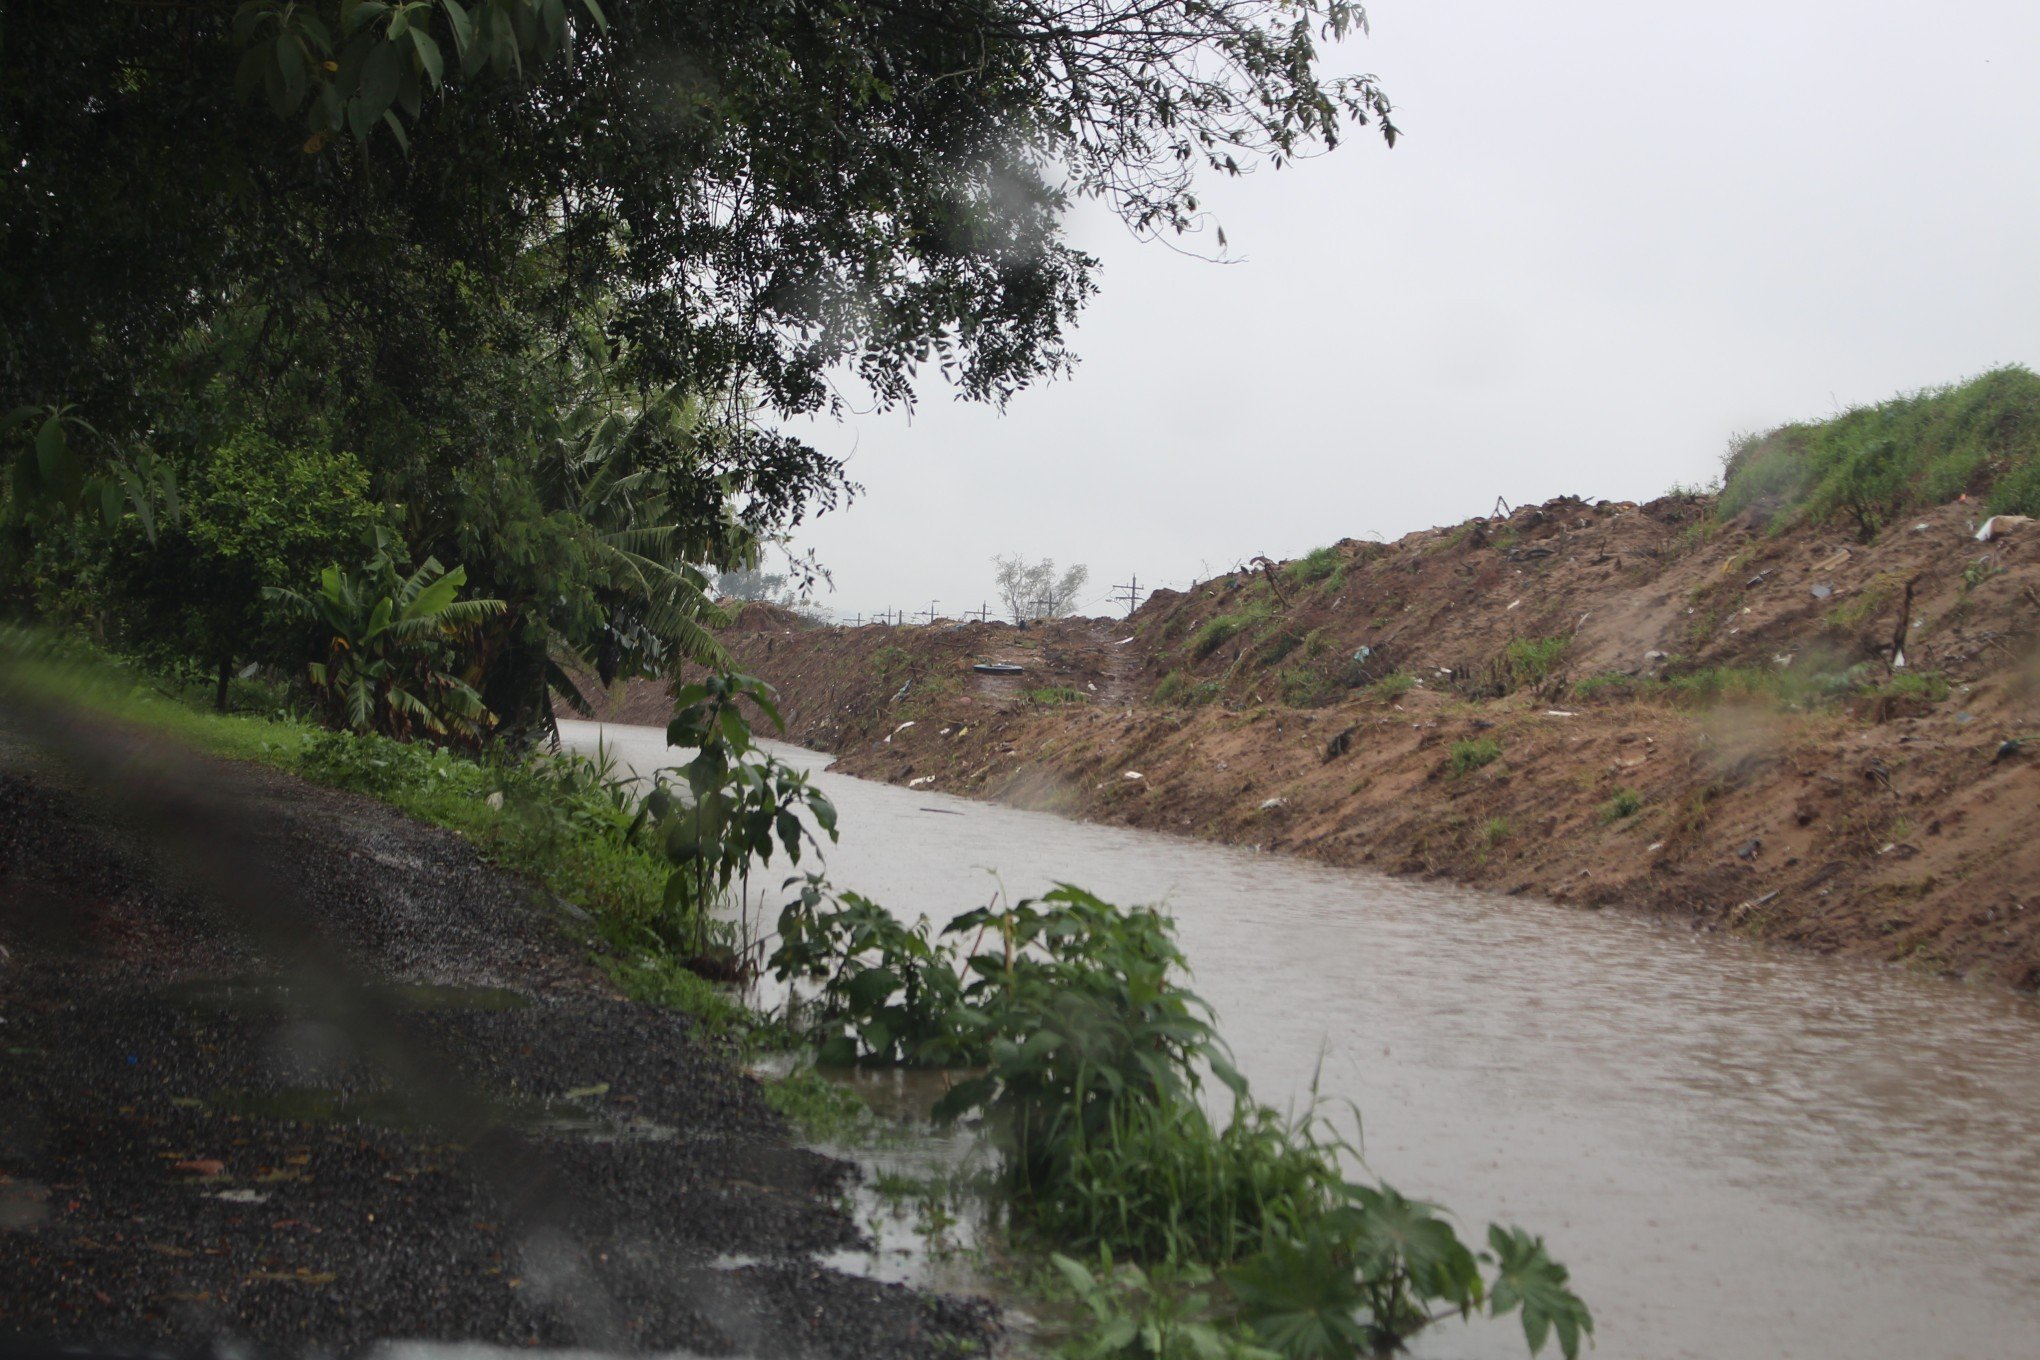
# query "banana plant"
(391, 643)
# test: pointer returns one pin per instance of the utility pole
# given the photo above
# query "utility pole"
(930, 612)
(1041, 605)
(1130, 592)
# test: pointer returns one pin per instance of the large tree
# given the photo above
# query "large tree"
(412, 223)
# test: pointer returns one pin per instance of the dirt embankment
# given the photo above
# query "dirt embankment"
(1605, 704)
(373, 1093)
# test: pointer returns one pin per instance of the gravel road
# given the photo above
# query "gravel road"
(371, 1092)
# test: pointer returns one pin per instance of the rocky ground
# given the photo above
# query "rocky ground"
(280, 1067)
(1792, 734)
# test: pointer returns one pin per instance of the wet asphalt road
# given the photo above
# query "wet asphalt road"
(386, 1100)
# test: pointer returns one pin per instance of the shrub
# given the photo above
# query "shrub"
(1468, 756)
(1874, 463)
(392, 645)
(1527, 662)
(1094, 1060)
(1218, 631)
(1392, 686)
(1625, 803)
(1316, 565)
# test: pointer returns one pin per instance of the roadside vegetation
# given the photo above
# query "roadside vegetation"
(1087, 1060)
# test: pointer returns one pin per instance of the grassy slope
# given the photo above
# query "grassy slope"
(560, 833)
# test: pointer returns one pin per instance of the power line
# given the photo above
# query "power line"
(1130, 593)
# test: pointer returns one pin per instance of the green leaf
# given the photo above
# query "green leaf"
(463, 27)
(50, 447)
(380, 75)
(594, 9)
(429, 57)
(870, 988)
(1528, 1278)
(290, 65)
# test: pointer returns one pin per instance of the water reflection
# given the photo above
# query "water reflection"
(1739, 1152)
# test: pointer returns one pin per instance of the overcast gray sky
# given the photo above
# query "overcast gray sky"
(1616, 232)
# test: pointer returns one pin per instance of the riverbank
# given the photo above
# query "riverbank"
(321, 1077)
(1787, 734)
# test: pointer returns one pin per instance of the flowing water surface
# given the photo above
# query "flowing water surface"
(1739, 1152)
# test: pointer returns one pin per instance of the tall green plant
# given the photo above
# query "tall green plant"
(391, 645)
(1094, 1058)
(739, 803)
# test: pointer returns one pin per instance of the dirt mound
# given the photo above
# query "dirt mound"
(1793, 734)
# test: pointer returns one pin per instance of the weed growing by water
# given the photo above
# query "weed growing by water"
(820, 1109)
(1094, 1059)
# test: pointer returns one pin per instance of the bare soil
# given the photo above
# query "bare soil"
(1794, 735)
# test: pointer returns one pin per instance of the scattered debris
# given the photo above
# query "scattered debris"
(1997, 525)
(922, 782)
(1822, 591)
(1133, 774)
(1270, 804)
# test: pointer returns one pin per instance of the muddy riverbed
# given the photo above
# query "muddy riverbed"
(1740, 1152)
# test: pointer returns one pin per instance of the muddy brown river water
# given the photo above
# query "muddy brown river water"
(1739, 1152)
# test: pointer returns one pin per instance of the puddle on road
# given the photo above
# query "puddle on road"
(922, 1197)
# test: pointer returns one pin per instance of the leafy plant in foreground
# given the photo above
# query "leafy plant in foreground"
(739, 803)
(1094, 1061)
(390, 643)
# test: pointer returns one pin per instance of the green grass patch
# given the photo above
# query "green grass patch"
(1183, 690)
(1319, 564)
(1930, 686)
(1218, 631)
(820, 1109)
(1872, 464)
(1625, 803)
(1392, 686)
(1527, 662)
(1054, 696)
(1470, 755)
(1309, 687)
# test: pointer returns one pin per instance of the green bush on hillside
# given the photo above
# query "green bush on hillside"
(1875, 463)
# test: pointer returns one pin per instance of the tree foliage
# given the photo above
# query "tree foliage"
(557, 276)
(1032, 590)
(390, 643)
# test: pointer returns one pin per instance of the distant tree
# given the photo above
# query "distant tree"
(750, 583)
(1034, 591)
